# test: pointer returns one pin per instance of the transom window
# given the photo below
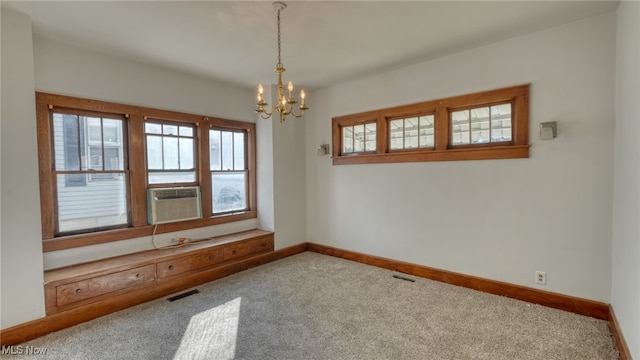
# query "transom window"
(492, 124)
(359, 138)
(482, 125)
(170, 153)
(412, 133)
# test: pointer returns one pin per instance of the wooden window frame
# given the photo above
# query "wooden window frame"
(518, 96)
(46, 103)
(246, 165)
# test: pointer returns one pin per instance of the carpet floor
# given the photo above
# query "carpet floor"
(312, 306)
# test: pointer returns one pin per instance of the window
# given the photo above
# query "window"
(488, 125)
(170, 153)
(359, 138)
(228, 170)
(98, 159)
(88, 172)
(412, 133)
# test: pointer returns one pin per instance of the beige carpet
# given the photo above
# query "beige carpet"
(311, 306)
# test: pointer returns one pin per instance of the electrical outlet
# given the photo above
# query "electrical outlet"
(541, 277)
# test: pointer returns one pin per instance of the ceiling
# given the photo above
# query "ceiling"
(323, 42)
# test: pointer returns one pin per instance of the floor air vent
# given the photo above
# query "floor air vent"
(403, 278)
(183, 295)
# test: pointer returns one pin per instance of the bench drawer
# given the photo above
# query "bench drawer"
(89, 288)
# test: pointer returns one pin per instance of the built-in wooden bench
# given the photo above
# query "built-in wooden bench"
(153, 273)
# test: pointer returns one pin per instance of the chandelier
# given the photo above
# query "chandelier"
(285, 105)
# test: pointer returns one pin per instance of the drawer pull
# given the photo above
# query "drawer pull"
(170, 267)
(138, 276)
(78, 291)
(233, 251)
(211, 257)
(263, 244)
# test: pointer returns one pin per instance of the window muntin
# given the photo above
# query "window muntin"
(170, 153)
(481, 125)
(412, 132)
(359, 138)
(89, 172)
(229, 172)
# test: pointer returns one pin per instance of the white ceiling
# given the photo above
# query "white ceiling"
(323, 42)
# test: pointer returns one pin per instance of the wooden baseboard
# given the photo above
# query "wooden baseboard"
(39, 327)
(572, 304)
(618, 338)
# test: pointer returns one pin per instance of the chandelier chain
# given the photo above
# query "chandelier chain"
(279, 57)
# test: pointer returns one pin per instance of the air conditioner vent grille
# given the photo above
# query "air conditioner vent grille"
(173, 204)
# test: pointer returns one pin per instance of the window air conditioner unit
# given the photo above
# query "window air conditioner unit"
(173, 204)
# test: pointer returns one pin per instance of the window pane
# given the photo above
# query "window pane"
(153, 128)
(186, 153)
(94, 129)
(501, 123)
(97, 204)
(480, 125)
(396, 134)
(95, 158)
(112, 131)
(170, 153)
(113, 158)
(370, 137)
(227, 150)
(427, 131)
(238, 151)
(460, 127)
(154, 152)
(186, 131)
(214, 150)
(171, 177)
(411, 133)
(347, 139)
(358, 138)
(229, 191)
(169, 129)
(66, 146)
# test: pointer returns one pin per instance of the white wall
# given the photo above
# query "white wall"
(498, 219)
(22, 294)
(281, 167)
(625, 295)
(290, 200)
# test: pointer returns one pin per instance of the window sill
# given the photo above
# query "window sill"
(73, 241)
(480, 153)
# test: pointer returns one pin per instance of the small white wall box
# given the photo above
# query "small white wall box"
(323, 149)
(548, 130)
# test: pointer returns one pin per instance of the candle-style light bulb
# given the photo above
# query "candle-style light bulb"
(302, 96)
(260, 91)
(290, 87)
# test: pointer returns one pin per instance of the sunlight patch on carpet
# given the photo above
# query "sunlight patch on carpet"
(211, 334)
